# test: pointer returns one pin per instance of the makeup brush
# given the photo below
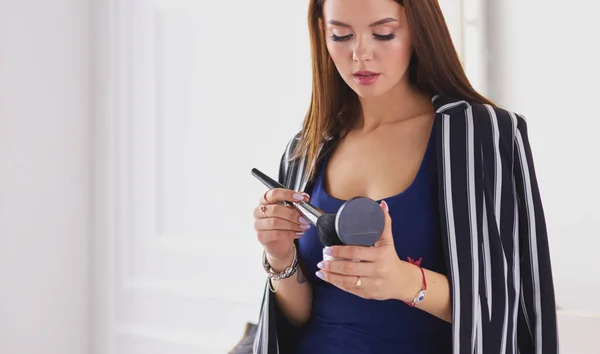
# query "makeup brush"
(359, 221)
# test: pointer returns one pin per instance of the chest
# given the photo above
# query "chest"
(414, 213)
(377, 166)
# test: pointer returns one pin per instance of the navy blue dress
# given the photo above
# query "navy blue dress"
(345, 323)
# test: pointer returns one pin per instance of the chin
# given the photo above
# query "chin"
(370, 91)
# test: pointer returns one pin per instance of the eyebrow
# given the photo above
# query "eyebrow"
(374, 24)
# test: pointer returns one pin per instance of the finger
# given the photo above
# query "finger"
(277, 195)
(387, 237)
(268, 236)
(343, 267)
(278, 224)
(279, 211)
(344, 282)
(359, 253)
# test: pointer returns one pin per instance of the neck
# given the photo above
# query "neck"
(401, 103)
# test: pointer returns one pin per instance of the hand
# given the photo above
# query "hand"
(277, 225)
(383, 275)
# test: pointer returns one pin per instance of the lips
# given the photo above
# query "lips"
(364, 77)
(364, 73)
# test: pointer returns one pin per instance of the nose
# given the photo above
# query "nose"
(362, 52)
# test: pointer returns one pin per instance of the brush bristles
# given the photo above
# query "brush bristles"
(326, 230)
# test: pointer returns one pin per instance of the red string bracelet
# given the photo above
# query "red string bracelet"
(421, 295)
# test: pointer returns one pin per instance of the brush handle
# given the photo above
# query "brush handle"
(266, 180)
(307, 210)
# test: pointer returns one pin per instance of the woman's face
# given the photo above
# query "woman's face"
(369, 42)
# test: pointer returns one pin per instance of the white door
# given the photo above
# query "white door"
(193, 94)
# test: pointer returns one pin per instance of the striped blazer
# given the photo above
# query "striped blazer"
(493, 231)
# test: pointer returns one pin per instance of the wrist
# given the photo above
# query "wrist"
(413, 283)
(280, 264)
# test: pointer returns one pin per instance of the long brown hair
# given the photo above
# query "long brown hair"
(434, 69)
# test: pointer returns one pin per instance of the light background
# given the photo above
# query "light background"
(128, 130)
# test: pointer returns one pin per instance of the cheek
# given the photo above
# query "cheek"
(399, 52)
(395, 57)
(340, 54)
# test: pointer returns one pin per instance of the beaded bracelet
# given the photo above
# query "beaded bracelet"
(286, 273)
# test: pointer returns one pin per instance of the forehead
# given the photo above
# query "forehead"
(361, 12)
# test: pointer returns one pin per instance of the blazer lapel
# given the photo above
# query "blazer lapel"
(459, 166)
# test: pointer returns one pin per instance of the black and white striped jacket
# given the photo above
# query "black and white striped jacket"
(494, 236)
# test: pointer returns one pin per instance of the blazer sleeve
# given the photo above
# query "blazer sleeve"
(537, 324)
(275, 334)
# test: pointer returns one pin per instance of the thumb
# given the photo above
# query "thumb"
(386, 236)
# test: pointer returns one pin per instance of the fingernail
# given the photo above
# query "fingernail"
(300, 233)
(303, 220)
(321, 265)
(305, 226)
(298, 196)
(319, 274)
(327, 251)
(387, 208)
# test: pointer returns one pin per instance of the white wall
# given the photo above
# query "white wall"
(44, 188)
(178, 265)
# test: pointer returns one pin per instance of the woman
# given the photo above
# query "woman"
(463, 261)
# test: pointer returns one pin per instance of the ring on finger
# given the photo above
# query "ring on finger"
(358, 284)
(263, 210)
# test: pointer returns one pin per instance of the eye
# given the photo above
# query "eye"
(384, 37)
(340, 38)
